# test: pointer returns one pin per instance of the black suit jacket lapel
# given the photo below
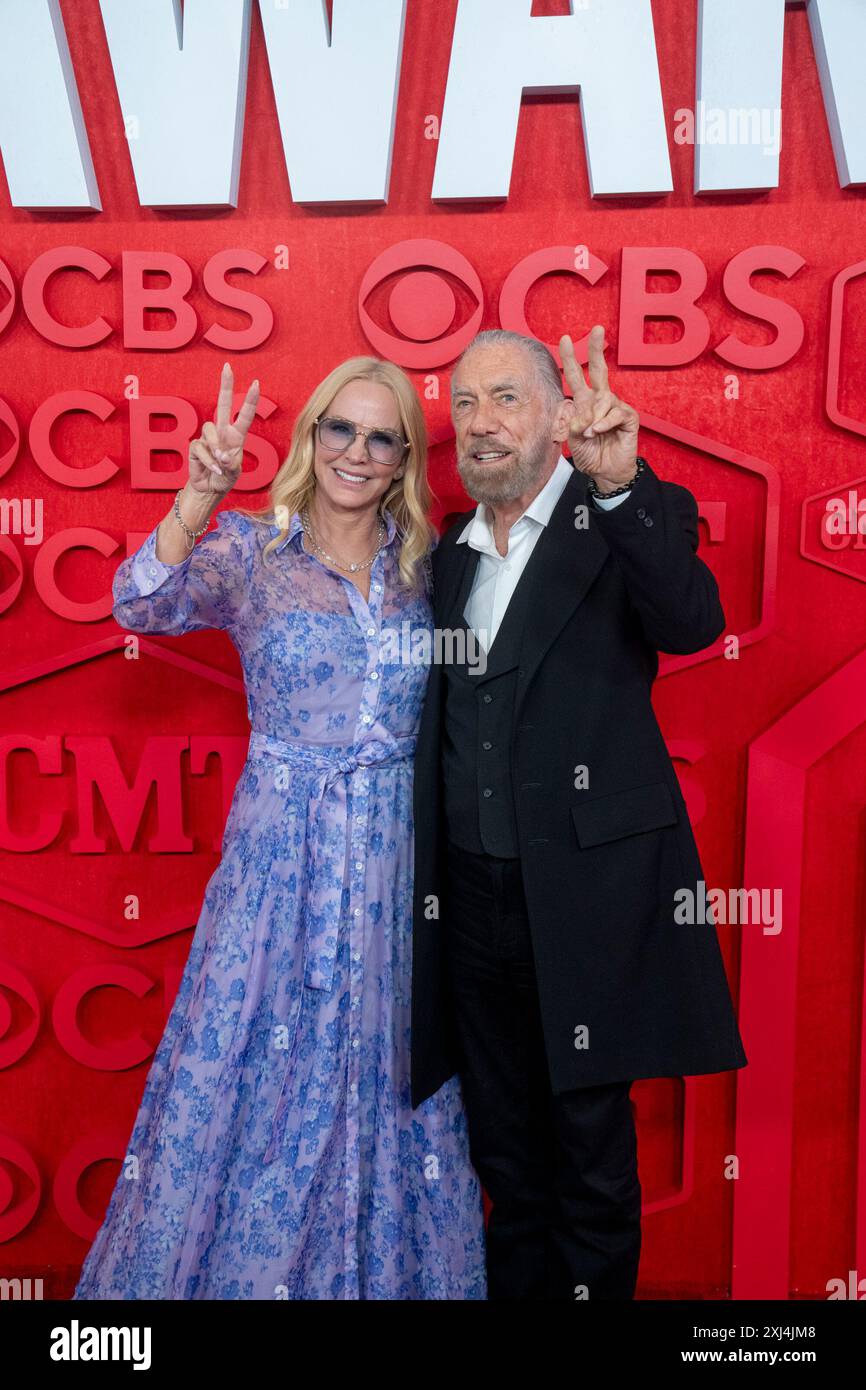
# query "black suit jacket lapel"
(563, 564)
(457, 583)
(568, 557)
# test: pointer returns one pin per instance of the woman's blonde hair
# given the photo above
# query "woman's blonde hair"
(408, 499)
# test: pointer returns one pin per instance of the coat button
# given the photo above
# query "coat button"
(647, 521)
(488, 791)
(487, 699)
(487, 745)
(641, 512)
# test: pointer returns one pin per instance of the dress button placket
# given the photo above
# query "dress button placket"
(357, 899)
(359, 823)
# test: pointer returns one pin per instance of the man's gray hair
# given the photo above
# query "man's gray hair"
(542, 358)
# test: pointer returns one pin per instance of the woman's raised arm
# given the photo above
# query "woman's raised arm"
(174, 583)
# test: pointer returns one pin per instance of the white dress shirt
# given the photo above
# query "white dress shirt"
(496, 575)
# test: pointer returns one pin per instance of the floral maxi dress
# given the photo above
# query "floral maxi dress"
(278, 1152)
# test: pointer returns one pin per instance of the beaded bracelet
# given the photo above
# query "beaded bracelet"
(192, 535)
(626, 487)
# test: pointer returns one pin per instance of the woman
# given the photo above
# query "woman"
(279, 1156)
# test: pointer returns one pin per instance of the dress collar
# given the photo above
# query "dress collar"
(295, 527)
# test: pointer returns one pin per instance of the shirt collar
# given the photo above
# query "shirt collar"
(478, 531)
(295, 527)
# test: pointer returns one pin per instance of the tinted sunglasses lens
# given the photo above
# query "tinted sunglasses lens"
(384, 447)
(336, 434)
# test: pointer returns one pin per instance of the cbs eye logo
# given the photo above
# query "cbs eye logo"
(7, 306)
(421, 304)
(412, 285)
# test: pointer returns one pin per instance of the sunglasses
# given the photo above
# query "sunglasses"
(383, 446)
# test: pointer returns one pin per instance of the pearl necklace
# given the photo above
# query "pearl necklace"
(339, 564)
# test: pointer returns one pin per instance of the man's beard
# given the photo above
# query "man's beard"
(516, 474)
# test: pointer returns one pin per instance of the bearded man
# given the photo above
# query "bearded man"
(551, 835)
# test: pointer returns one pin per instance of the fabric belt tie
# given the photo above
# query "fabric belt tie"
(323, 879)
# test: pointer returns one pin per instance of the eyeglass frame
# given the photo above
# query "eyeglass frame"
(377, 429)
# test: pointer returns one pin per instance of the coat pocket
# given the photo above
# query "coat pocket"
(629, 812)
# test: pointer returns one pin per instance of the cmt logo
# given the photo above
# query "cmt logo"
(120, 806)
(97, 768)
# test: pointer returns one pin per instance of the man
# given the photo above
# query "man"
(551, 833)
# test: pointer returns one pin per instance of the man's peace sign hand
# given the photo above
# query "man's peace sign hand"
(603, 431)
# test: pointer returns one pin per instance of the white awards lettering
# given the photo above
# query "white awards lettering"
(336, 88)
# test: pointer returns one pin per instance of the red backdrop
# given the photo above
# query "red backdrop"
(118, 773)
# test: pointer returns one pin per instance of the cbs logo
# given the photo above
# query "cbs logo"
(419, 285)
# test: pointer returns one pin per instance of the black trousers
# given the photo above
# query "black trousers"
(560, 1171)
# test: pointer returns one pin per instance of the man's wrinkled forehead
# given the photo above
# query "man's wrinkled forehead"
(497, 367)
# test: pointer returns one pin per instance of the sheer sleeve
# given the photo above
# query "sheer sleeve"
(205, 590)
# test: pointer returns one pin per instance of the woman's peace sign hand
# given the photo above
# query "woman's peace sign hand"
(216, 457)
(603, 431)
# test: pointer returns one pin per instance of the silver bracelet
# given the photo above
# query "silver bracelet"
(192, 535)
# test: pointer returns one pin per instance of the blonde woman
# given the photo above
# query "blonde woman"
(279, 1156)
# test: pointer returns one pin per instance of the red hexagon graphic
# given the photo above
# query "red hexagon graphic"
(832, 535)
(74, 912)
(834, 348)
(764, 551)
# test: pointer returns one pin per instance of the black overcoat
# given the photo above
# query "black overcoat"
(625, 991)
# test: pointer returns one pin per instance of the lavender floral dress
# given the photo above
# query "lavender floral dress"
(279, 1156)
